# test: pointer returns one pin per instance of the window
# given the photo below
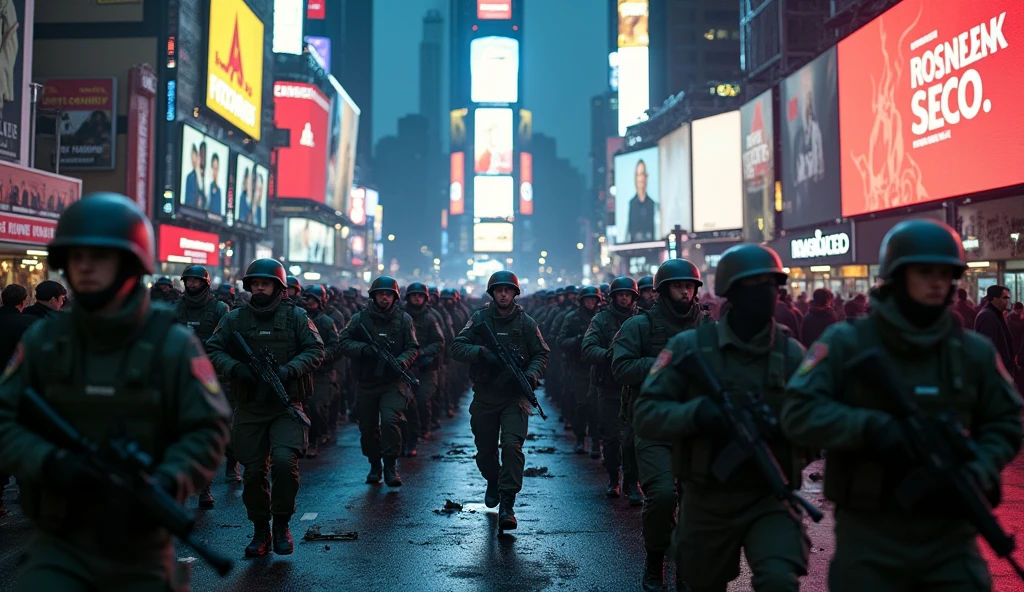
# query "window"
(722, 17)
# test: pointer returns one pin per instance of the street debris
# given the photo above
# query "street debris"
(313, 534)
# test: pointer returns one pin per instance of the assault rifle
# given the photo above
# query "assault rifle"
(121, 464)
(264, 366)
(511, 368)
(940, 448)
(746, 440)
(385, 359)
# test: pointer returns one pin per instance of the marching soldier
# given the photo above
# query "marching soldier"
(570, 341)
(324, 377)
(648, 296)
(431, 339)
(295, 291)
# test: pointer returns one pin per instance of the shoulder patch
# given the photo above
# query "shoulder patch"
(469, 324)
(203, 371)
(817, 353)
(16, 359)
(312, 326)
(663, 359)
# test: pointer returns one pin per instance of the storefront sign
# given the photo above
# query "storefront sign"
(26, 229)
(827, 245)
(31, 192)
(181, 245)
(871, 232)
(993, 230)
(820, 245)
(234, 87)
(142, 86)
(88, 120)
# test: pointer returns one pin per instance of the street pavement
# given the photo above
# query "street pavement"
(570, 536)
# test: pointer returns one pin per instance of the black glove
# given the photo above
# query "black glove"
(244, 373)
(368, 353)
(285, 374)
(886, 437)
(64, 469)
(492, 360)
(709, 418)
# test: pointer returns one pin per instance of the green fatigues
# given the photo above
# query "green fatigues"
(455, 381)
(264, 430)
(880, 545)
(499, 416)
(324, 378)
(426, 370)
(570, 342)
(93, 368)
(597, 349)
(337, 405)
(441, 387)
(639, 340)
(380, 400)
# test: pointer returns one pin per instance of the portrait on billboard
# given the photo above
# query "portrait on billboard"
(494, 70)
(810, 143)
(204, 172)
(310, 241)
(637, 217)
(88, 120)
(758, 139)
(492, 142)
(493, 197)
(633, 23)
(676, 186)
(250, 192)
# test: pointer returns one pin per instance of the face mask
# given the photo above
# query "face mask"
(263, 300)
(918, 314)
(751, 308)
(197, 291)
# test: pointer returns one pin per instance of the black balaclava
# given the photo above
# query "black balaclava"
(263, 301)
(197, 293)
(92, 301)
(412, 307)
(751, 308)
(918, 314)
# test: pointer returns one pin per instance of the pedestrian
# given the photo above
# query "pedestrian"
(786, 315)
(114, 354)
(499, 414)
(991, 322)
(752, 357)
(265, 431)
(50, 298)
(819, 317)
(570, 342)
(1016, 324)
(430, 336)
(885, 539)
(381, 397)
(323, 377)
(963, 306)
(802, 305)
(13, 321)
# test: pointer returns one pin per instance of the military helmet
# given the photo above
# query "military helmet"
(645, 282)
(571, 289)
(226, 290)
(384, 283)
(433, 291)
(675, 270)
(559, 291)
(351, 292)
(416, 288)
(448, 294)
(316, 292)
(502, 278)
(293, 282)
(746, 260)
(265, 268)
(196, 271)
(605, 288)
(920, 241)
(333, 292)
(624, 284)
(163, 281)
(104, 220)
(589, 291)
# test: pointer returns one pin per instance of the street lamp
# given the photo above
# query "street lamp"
(579, 246)
(543, 253)
(541, 261)
(437, 261)
(391, 237)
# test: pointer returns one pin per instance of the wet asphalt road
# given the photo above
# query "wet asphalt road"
(570, 536)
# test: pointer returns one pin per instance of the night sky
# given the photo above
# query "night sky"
(564, 65)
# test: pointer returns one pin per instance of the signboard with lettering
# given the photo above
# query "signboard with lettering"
(31, 192)
(26, 229)
(181, 245)
(234, 87)
(825, 245)
(88, 120)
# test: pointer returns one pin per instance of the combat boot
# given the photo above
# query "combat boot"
(410, 449)
(313, 451)
(231, 472)
(631, 489)
(491, 497)
(206, 498)
(260, 544)
(374, 476)
(654, 572)
(613, 486)
(595, 448)
(506, 515)
(283, 544)
(581, 447)
(391, 476)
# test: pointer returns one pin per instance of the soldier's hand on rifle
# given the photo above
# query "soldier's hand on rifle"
(490, 358)
(886, 437)
(709, 418)
(285, 373)
(244, 372)
(368, 353)
(64, 469)
(533, 380)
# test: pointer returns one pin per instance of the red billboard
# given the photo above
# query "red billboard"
(316, 10)
(302, 167)
(181, 245)
(525, 183)
(929, 103)
(457, 190)
(26, 229)
(493, 10)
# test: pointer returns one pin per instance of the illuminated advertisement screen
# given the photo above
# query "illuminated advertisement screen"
(250, 193)
(634, 85)
(633, 23)
(204, 173)
(493, 197)
(181, 245)
(492, 237)
(320, 48)
(310, 241)
(357, 210)
(929, 103)
(341, 162)
(758, 135)
(316, 10)
(717, 173)
(675, 184)
(304, 111)
(526, 183)
(490, 10)
(288, 15)
(492, 142)
(637, 214)
(234, 88)
(494, 70)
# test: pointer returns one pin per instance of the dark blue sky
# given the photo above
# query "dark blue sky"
(564, 65)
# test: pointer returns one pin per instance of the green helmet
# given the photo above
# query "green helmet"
(675, 270)
(196, 271)
(605, 288)
(270, 269)
(502, 278)
(293, 282)
(316, 292)
(226, 290)
(743, 261)
(416, 288)
(448, 294)
(384, 283)
(645, 282)
(559, 291)
(920, 241)
(571, 289)
(624, 284)
(104, 220)
(433, 291)
(163, 281)
(589, 291)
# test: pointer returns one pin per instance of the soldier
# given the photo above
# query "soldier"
(499, 418)
(338, 407)
(647, 294)
(431, 339)
(749, 353)
(605, 290)
(381, 400)
(639, 341)
(114, 355)
(457, 380)
(163, 290)
(295, 291)
(570, 341)
(200, 311)
(563, 389)
(324, 377)
(264, 430)
(448, 328)
(881, 543)
(226, 294)
(618, 444)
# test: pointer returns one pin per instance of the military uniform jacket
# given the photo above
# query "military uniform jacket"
(597, 348)
(570, 338)
(328, 331)
(393, 325)
(201, 315)
(517, 332)
(643, 336)
(430, 337)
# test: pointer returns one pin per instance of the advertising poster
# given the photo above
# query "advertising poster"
(489, 10)
(675, 186)
(304, 111)
(637, 218)
(457, 189)
(234, 68)
(310, 241)
(494, 70)
(288, 15)
(717, 173)
(320, 47)
(358, 211)
(810, 144)
(88, 120)
(341, 161)
(634, 86)
(929, 97)
(250, 193)
(12, 82)
(492, 237)
(633, 23)
(36, 193)
(525, 183)
(204, 172)
(493, 197)
(492, 142)
(758, 169)
(192, 247)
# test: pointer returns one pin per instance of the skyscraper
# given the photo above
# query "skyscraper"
(431, 65)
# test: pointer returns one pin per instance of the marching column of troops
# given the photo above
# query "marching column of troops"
(706, 421)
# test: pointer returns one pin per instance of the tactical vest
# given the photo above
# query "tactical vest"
(325, 373)
(601, 374)
(856, 480)
(202, 320)
(391, 329)
(278, 336)
(511, 336)
(422, 326)
(577, 327)
(768, 376)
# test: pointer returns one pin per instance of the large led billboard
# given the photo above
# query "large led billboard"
(929, 101)
(304, 111)
(494, 70)
(203, 178)
(634, 86)
(288, 15)
(310, 241)
(492, 141)
(637, 214)
(489, 10)
(493, 197)
(758, 136)
(525, 183)
(492, 237)
(251, 182)
(192, 247)
(634, 16)
(675, 184)
(234, 66)
(341, 161)
(717, 173)
(457, 189)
